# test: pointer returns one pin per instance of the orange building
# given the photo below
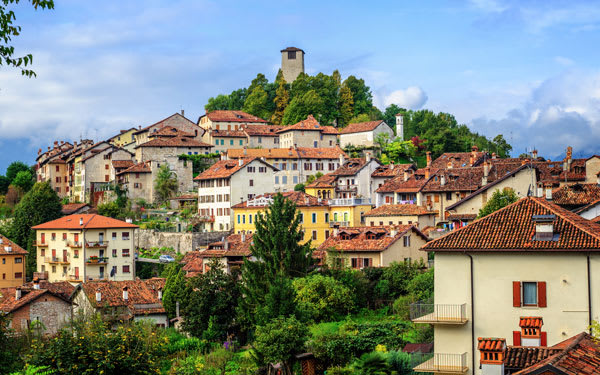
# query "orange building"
(12, 263)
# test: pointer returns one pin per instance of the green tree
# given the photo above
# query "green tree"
(389, 115)
(279, 340)
(4, 183)
(211, 298)
(14, 168)
(176, 289)
(166, 183)
(8, 30)
(400, 151)
(39, 205)
(361, 95)
(282, 98)
(300, 187)
(345, 105)
(276, 244)
(302, 106)
(110, 209)
(421, 286)
(322, 297)
(502, 147)
(373, 363)
(500, 198)
(257, 103)
(362, 117)
(24, 180)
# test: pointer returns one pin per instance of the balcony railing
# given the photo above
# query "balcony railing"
(333, 224)
(74, 243)
(96, 243)
(57, 259)
(74, 278)
(346, 188)
(98, 260)
(438, 314)
(444, 363)
(40, 243)
(206, 218)
(350, 202)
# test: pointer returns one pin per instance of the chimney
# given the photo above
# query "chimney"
(442, 180)
(549, 192)
(368, 157)
(183, 113)
(226, 243)
(125, 294)
(336, 231)
(492, 355)
(36, 283)
(405, 175)
(393, 232)
(540, 191)
(531, 330)
(243, 236)
(427, 172)
(534, 154)
(160, 294)
(80, 221)
(55, 144)
(569, 157)
(449, 165)
(428, 153)
(18, 293)
(494, 155)
(544, 227)
(39, 151)
(391, 166)
(223, 155)
(240, 162)
(245, 151)
(8, 249)
(486, 171)
(342, 160)
(524, 161)
(471, 160)
(98, 296)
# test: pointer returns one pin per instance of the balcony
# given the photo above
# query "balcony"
(74, 244)
(350, 202)
(74, 278)
(438, 314)
(206, 219)
(40, 244)
(347, 188)
(333, 224)
(95, 244)
(59, 260)
(442, 363)
(97, 260)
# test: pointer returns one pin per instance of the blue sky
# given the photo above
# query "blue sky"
(526, 69)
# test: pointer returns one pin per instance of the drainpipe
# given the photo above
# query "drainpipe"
(589, 294)
(472, 315)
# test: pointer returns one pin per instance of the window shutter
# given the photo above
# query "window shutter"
(517, 338)
(516, 293)
(544, 339)
(541, 293)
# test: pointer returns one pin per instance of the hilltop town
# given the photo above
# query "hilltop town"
(234, 243)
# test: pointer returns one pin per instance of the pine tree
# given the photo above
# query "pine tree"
(282, 98)
(280, 256)
(346, 104)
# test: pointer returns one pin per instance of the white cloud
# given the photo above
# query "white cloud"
(490, 6)
(564, 61)
(412, 97)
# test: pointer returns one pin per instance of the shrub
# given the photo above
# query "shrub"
(279, 340)
(322, 297)
(421, 286)
(402, 307)
(400, 362)
(374, 363)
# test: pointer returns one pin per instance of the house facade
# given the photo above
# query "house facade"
(308, 133)
(177, 121)
(13, 259)
(224, 129)
(401, 214)
(84, 247)
(364, 133)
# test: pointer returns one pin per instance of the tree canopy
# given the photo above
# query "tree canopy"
(500, 198)
(166, 183)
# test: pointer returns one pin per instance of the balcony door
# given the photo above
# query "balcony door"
(101, 238)
(101, 272)
(65, 256)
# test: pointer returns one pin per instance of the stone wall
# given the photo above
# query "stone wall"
(181, 242)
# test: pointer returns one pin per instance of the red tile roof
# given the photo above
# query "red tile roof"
(261, 130)
(142, 294)
(138, 168)
(325, 181)
(392, 170)
(117, 164)
(232, 116)
(580, 357)
(455, 179)
(171, 131)
(400, 210)
(512, 228)
(531, 322)
(178, 141)
(352, 166)
(90, 221)
(301, 199)
(9, 303)
(458, 159)
(6, 243)
(414, 184)
(491, 344)
(286, 153)
(310, 124)
(226, 168)
(576, 195)
(361, 127)
(69, 208)
(192, 263)
(166, 121)
(231, 246)
(227, 133)
(519, 357)
(358, 241)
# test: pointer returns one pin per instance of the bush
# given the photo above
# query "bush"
(374, 363)
(357, 283)
(421, 286)
(279, 340)
(400, 362)
(322, 297)
(402, 307)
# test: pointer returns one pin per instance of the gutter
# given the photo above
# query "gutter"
(472, 315)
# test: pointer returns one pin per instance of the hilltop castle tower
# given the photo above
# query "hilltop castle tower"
(292, 63)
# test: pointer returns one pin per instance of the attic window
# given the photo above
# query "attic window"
(371, 236)
(238, 116)
(344, 236)
(544, 228)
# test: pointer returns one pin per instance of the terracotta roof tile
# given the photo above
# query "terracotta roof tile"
(178, 141)
(138, 168)
(286, 153)
(519, 357)
(90, 221)
(227, 133)
(142, 294)
(531, 322)
(458, 159)
(117, 164)
(231, 246)
(69, 208)
(467, 217)
(301, 199)
(455, 179)
(576, 195)
(5, 244)
(226, 168)
(310, 124)
(192, 263)
(491, 344)
(358, 241)
(392, 170)
(351, 167)
(361, 127)
(400, 210)
(512, 228)
(166, 121)
(325, 181)
(171, 131)
(261, 130)
(233, 116)
(414, 184)
(9, 303)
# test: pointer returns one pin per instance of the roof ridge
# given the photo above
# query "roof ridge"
(556, 357)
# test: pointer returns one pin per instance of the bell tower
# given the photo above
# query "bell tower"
(292, 63)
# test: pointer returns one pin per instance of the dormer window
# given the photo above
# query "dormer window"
(344, 236)
(544, 228)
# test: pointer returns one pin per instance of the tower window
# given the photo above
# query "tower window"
(291, 55)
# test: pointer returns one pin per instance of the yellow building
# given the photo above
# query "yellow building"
(322, 187)
(319, 216)
(12, 263)
(85, 247)
(124, 138)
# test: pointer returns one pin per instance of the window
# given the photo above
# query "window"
(251, 182)
(249, 219)
(314, 235)
(125, 252)
(64, 236)
(529, 293)
(114, 235)
(241, 142)
(43, 252)
(18, 275)
(301, 217)
(315, 144)
(114, 253)
(126, 269)
(53, 269)
(18, 260)
(75, 253)
(295, 179)
(448, 196)
(354, 262)
(367, 262)
(114, 271)
(284, 179)
(327, 217)
(406, 240)
(231, 142)
(326, 234)
(251, 169)
(243, 219)
(314, 217)
(53, 236)
(125, 236)
(291, 56)
(3, 260)
(276, 180)
(239, 219)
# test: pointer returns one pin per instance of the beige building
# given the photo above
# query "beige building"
(530, 259)
(225, 129)
(138, 181)
(292, 63)
(177, 121)
(227, 182)
(364, 133)
(401, 214)
(308, 133)
(361, 247)
(592, 169)
(261, 136)
(85, 247)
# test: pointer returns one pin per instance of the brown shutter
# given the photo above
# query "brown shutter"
(516, 338)
(544, 339)
(541, 293)
(516, 293)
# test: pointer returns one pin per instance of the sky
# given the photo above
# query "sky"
(525, 69)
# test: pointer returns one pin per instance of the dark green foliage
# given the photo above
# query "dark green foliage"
(4, 182)
(110, 209)
(276, 245)
(300, 187)
(357, 282)
(279, 340)
(15, 167)
(361, 95)
(374, 363)
(176, 289)
(166, 183)
(39, 205)
(200, 162)
(421, 286)
(323, 297)
(23, 180)
(498, 200)
(210, 301)
(302, 106)
(400, 362)
(10, 347)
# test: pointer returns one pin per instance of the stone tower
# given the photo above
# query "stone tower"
(400, 126)
(292, 63)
